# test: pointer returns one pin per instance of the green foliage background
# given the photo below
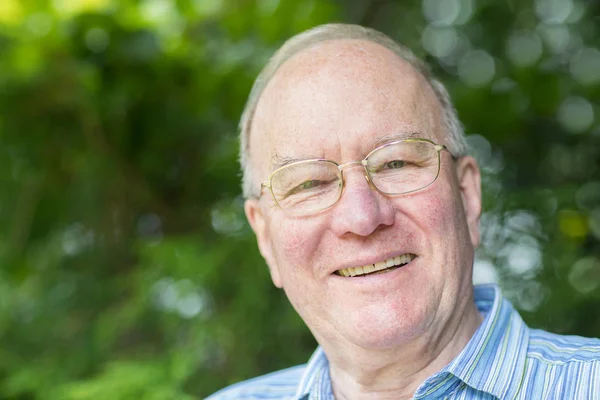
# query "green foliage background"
(127, 268)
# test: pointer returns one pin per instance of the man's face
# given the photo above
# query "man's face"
(335, 101)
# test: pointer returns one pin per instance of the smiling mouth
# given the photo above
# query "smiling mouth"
(378, 268)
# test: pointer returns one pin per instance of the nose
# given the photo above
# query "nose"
(362, 209)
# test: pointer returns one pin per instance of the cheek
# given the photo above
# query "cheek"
(441, 217)
(448, 225)
(432, 210)
(296, 244)
(437, 213)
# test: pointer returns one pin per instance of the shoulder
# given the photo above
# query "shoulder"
(551, 348)
(563, 366)
(276, 385)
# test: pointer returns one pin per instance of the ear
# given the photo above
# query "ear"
(469, 180)
(256, 218)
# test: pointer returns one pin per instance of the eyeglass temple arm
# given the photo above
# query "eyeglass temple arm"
(265, 184)
(441, 147)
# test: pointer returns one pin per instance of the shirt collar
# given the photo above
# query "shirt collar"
(315, 379)
(493, 358)
(496, 354)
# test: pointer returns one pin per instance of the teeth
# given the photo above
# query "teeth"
(378, 266)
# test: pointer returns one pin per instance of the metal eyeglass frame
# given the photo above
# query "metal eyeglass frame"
(438, 147)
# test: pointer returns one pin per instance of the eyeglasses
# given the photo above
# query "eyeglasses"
(400, 167)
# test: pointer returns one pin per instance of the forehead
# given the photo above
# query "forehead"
(337, 98)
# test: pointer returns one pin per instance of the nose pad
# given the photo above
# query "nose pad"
(369, 180)
(365, 174)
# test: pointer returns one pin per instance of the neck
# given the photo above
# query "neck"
(397, 373)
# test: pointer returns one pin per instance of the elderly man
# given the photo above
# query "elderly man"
(366, 207)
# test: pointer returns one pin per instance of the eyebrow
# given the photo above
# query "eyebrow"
(395, 137)
(278, 161)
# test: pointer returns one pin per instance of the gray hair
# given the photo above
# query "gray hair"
(457, 143)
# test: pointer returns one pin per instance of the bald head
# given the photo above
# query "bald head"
(333, 90)
(341, 57)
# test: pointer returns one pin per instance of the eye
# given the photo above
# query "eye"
(304, 186)
(394, 164)
(308, 184)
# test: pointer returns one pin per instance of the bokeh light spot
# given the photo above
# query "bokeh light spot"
(577, 13)
(530, 296)
(489, 161)
(585, 275)
(585, 66)
(227, 217)
(67, 8)
(76, 238)
(466, 12)
(96, 39)
(477, 68)
(190, 305)
(182, 297)
(522, 221)
(553, 11)
(524, 257)
(267, 7)
(556, 36)
(11, 11)
(441, 12)
(572, 224)
(209, 7)
(480, 147)
(39, 24)
(576, 114)
(524, 49)
(462, 47)
(484, 272)
(439, 41)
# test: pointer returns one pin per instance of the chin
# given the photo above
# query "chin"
(380, 327)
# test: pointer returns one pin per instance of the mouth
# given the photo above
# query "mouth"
(380, 267)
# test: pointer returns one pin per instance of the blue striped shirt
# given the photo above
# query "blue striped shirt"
(503, 360)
